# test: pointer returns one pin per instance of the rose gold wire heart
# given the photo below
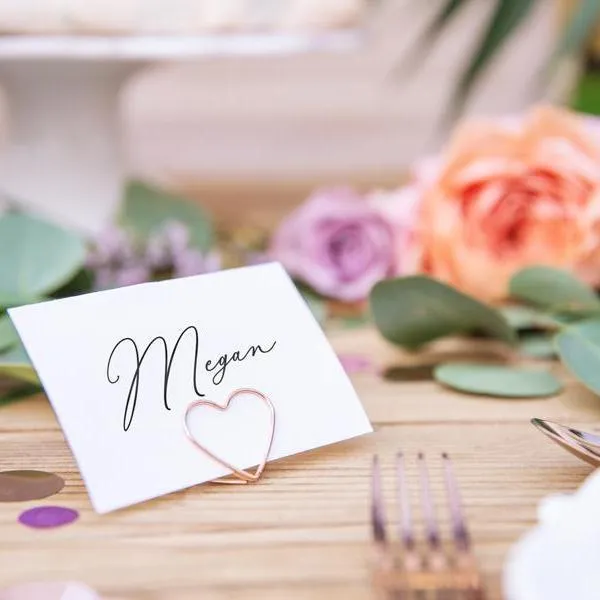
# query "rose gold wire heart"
(242, 475)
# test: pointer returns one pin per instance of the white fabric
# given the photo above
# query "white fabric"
(559, 559)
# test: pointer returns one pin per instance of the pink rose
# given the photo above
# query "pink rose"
(338, 243)
(400, 207)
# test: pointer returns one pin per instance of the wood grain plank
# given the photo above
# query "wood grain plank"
(303, 531)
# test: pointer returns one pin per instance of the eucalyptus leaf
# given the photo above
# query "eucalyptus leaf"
(563, 319)
(8, 334)
(579, 349)
(147, 209)
(497, 380)
(15, 364)
(36, 258)
(19, 392)
(82, 283)
(353, 322)
(8, 300)
(419, 372)
(555, 290)
(522, 317)
(537, 344)
(316, 304)
(411, 311)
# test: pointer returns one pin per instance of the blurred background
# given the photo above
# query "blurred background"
(250, 136)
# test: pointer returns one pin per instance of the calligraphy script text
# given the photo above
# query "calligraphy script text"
(217, 368)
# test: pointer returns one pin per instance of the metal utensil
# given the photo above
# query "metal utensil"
(406, 568)
(589, 440)
(582, 444)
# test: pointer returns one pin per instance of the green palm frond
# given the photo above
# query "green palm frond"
(441, 20)
(505, 19)
(413, 58)
(577, 33)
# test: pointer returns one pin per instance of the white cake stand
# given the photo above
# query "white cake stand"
(63, 156)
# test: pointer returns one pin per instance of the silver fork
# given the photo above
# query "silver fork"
(404, 568)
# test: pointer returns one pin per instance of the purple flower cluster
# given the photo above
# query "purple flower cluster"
(116, 260)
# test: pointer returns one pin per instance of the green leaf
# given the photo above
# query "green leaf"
(36, 258)
(526, 317)
(411, 311)
(506, 18)
(577, 33)
(352, 322)
(146, 210)
(8, 300)
(19, 392)
(586, 96)
(554, 289)
(418, 372)
(8, 334)
(537, 345)
(15, 363)
(82, 283)
(497, 380)
(579, 349)
(316, 304)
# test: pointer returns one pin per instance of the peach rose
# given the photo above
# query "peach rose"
(512, 193)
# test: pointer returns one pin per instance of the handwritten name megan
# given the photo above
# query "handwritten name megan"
(217, 368)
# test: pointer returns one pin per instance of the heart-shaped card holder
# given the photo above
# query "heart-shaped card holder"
(238, 476)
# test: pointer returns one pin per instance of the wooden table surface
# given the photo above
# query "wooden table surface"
(302, 532)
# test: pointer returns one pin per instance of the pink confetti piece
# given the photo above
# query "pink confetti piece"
(45, 517)
(355, 363)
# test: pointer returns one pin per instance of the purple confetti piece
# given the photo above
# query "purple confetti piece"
(355, 363)
(44, 517)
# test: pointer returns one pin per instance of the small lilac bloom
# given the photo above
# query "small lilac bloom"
(162, 248)
(131, 275)
(193, 262)
(113, 246)
(177, 235)
(115, 261)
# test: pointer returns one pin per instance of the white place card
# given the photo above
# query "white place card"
(121, 367)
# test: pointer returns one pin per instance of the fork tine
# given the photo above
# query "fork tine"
(431, 526)
(460, 532)
(405, 527)
(414, 572)
(377, 504)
